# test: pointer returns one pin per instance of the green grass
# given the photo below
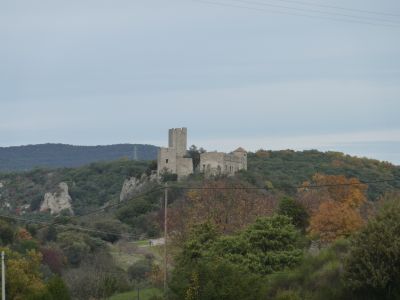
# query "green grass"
(124, 258)
(144, 294)
(143, 243)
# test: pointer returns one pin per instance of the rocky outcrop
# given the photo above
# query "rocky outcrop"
(58, 201)
(1, 185)
(133, 186)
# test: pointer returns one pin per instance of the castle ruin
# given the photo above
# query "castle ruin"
(175, 159)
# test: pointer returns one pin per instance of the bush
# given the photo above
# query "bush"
(140, 270)
(110, 226)
(6, 233)
(372, 269)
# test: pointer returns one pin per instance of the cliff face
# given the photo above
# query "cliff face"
(133, 186)
(58, 201)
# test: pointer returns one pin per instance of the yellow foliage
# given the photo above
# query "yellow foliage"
(23, 275)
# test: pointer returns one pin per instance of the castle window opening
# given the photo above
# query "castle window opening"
(166, 161)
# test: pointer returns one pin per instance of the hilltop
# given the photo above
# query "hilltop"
(95, 184)
(25, 158)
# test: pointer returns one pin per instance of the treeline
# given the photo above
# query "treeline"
(285, 170)
(24, 158)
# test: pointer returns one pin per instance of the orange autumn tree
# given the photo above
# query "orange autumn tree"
(334, 206)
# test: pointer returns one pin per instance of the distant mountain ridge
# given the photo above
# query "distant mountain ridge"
(24, 158)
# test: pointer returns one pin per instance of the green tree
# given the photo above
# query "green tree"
(195, 153)
(372, 269)
(57, 290)
(212, 266)
(114, 229)
(6, 233)
(74, 246)
(318, 277)
(294, 210)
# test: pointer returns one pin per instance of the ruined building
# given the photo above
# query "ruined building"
(175, 160)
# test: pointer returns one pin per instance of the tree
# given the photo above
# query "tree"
(268, 245)
(74, 246)
(294, 210)
(372, 269)
(212, 266)
(230, 210)
(334, 220)
(195, 153)
(110, 226)
(317, 277)
(335, 213)
(57, 290)
(6, 233)
(23, 276)
(54, 258)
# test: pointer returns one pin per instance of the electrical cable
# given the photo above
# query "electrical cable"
(295, 14)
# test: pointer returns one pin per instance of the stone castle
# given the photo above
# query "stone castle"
(175, 159)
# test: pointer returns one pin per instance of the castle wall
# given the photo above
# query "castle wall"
(212, 163)
(217, 163)
(166, 160)
(184, 166)
(173, 160)
(241, 154)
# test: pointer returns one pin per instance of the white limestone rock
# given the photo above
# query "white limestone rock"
(58, 201)
(1, 185)
(133, 185)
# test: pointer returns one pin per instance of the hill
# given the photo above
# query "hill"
(284, 170)
(93, 185)
(24, 158)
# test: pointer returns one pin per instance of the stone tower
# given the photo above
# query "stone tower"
(178, 140)
(173, 159)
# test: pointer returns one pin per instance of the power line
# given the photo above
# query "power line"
(120, 203)
(71, 226)
(88, 229)
(109, 206)
(295, 14)
(318, 11)
(294, 187)
(342, 8)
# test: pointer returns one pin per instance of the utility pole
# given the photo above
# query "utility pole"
(165, 235)
(3, 277)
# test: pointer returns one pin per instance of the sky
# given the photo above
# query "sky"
(271, 74)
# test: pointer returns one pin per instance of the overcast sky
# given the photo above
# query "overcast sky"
(249, 73)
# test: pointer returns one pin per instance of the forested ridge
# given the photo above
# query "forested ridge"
(261, 234)
(25, 158)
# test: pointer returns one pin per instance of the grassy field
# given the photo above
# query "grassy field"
(144, 294)
(127, 253)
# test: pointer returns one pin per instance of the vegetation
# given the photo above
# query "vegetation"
(213, 266)
(90, 187)
(25, 158)
(285, 170)
(372, 266)
(228, 238)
